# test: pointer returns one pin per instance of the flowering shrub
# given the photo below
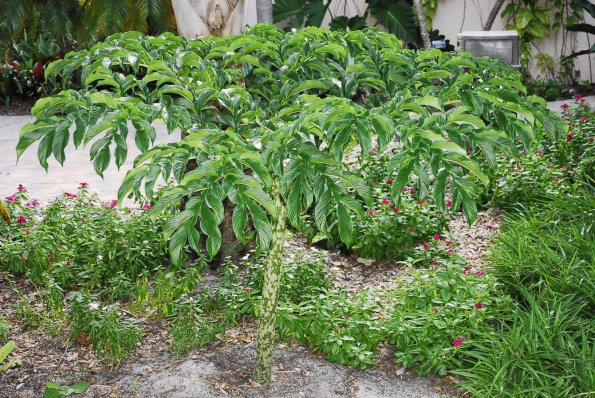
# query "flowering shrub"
(77, 239)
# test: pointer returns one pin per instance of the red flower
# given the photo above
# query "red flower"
(405, 189)
(564, 167)
(410, 230)
(413, 190)
(68, 263)
(21, 188)
(539, 153)
(21, 220)
(396, 210)
(564, 106)
(590, 138)
(426, 245)
(436, 237)
(389, 181)
(457, 342)
(583, 120)
(449, 203)
(452, 250)
(578, 97)
(466, 271)
(421, 202)
(114, 203)
(403, 247)
(27, 232)
(479, 273)
(11, 199)
(556, 179)
(84, 184)
(478, 305)
(38, 70)
(386, 202)
(69, 195)
(569, 136)
(147, 207)
(435, 310)
(372, 212)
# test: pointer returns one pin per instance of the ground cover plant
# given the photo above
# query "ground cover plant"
(268, 118)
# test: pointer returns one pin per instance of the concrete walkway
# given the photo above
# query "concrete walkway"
(77, 167)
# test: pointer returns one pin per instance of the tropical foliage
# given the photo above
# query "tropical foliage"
(269, 117)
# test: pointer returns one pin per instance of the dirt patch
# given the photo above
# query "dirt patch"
(17, 107)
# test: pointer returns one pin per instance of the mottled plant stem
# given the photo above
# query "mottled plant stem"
(265, 336)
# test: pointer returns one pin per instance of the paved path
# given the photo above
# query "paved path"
(78, 168)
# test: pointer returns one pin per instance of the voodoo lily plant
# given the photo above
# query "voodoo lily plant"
(267, 119)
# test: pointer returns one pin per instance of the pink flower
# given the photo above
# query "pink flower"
(374, 150)
(434, 264)
(372, 212)
(466, 271)
(452, 250)
(569, 136)
(518, 169)
(578, 97)
(386, 202)
(556, 179)
(583, 120)
(421, 202)
(410, 230)
(564, 105)
(147, 207)
(27, 232)
(21, 188)
(435, 310)
(389, 181)
(426, 245)
(396, 210)
(21, 220)
(539, 153)
(403, 247)
(84, 184)
(457, 342)
(564, 167)
(114, 203)
(11, 199)
(522, 153)
(33, 203)
(436, 237)
(413, 190)
(479, 273)
(405, 189)
(478, 305)
(449, 203)
(69, 195)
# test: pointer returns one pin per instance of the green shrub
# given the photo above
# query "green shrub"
(110, 335)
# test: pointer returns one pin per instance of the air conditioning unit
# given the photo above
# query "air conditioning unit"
(503, 45)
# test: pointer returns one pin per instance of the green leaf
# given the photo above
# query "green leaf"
(262, 225)
(32, 132)
(469, 165)
(345, 224)
(239, 221)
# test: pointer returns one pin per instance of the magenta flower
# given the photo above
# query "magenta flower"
(564, 106)
(466, 271)
(389, 181)
(21, 220)
(21, 188)
(426, 246)
(11, 199)
(539, 153)
(436, 237)
(27, 232)
(435, 310)
(403, 247)
(386, 202)
(457, 342)
(405, 189)
(452, 250)
(374, 150)
(569, 137)
(421, 202)
(147, 207)
(84, 184)
(578, 97)
(478, 305)
(583, 120)
(479, 273)
(564, 167)
(449, 203)
(69, 195)
(68, 263)
(413, 190)
(396, 210)
(434, 264)
(372, 212)
(114, 203)
(556, 179)
(410, 230)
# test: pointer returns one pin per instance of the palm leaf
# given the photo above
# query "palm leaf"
(397, 17)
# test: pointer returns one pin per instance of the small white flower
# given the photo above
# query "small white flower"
(94, 305)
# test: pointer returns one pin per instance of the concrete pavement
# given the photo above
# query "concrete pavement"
(77, 167)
